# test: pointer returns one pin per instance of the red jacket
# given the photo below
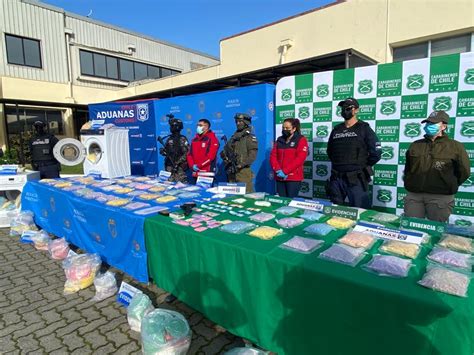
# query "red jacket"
(203, 152)
(289, 157)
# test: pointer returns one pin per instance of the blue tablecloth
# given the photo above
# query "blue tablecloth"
(115, 233)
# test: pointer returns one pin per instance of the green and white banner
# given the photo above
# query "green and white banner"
(394, 98)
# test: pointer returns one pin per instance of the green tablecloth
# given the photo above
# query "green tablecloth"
(292, 303)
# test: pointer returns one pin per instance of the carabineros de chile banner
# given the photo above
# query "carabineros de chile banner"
(139, 118)
(394, 98)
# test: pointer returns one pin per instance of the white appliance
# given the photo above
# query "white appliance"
(105, 151)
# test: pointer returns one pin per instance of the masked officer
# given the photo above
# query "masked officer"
(240, 152)
(435, 168)
(175, 150)
(353, 149)
(41, 148)
(204, 146)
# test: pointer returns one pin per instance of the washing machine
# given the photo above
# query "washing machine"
(104, 150)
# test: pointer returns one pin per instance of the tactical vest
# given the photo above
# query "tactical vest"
(349, 148)
(41, 149)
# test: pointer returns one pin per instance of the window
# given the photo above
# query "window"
(105, 66)
(23, 51)
(451, 45)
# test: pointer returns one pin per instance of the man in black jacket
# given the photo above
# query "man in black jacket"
(41, 148)
(435, 168)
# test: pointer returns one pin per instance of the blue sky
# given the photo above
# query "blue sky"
(196, 24)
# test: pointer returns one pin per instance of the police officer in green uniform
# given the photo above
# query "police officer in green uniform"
(240, 152)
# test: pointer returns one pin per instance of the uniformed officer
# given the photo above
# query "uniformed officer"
(435, 168)
(240, 152)
(41, 148)
(175, 150)
(353, 149)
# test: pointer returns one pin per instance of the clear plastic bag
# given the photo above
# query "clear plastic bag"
(58, 248)
(447, 281)
(105, 286)
(80, 271)
(343, 254)
(189, 195)
(165, 332)
(41, 240)
(286, 210)
(290, 222)
(165, 199)
(256, 195)
(341, 222)
(136, 205)
(302, 245)
(24, 221)
(311, 215)
(384, 217)
(358, 240)
(389, 265)
(138, 308)
(466, 231)
(237, 227)
(262, 203)
(448, 257)
(246, 351)
(26, 237)
(321, 229)
(457, 243)
(396, 247)
(265, 232)
(262, 217)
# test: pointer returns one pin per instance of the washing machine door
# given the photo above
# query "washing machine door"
(69, 151)
(94, 151)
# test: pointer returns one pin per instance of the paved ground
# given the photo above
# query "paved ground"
(36, 318)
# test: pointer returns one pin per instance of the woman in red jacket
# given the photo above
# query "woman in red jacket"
(287, 158)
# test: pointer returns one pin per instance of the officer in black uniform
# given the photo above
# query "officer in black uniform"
(41, 148)
(175, 150)
(353, 149)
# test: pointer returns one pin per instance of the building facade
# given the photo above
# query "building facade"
(53, 63)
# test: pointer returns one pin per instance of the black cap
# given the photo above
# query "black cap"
(350, 101)
(437, 117)
(243, 116)
(38, 124)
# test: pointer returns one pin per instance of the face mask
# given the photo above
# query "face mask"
(346, 113)
(286, 133)
(199, 129)
(431, 129)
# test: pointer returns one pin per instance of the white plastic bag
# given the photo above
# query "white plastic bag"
(80, 271)
(137, 309)
(165, 332)
(105, 286)
(58, 248)
(23, 222)
(41, 240)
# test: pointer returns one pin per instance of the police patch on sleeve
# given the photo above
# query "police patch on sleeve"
(378, 145)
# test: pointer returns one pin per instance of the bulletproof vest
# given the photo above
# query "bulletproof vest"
(347, 145)
(176, 146)
(41, 149)
(234, 142)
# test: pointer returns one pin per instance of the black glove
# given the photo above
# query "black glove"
(163, 151)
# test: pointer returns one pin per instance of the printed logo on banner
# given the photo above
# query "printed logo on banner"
(387, 131)
(469, 183)
(469, 76)
(389, 79)
(67, 223)
(467, 129)
(414, 106)
(415, 81)
(319, 189)
(401, 193)
(112, 227)
(388, 108)
(284, 112)
(308, 169)
(384, 196)
(444, 73)
(402, 150)
(307, 131)
(442, 103)
(322, 132)
(385, 174)
(367, 109)
(446, 101)
(202, 106)
(322, 91)
(303, 112)
(465, 103)
(306, 189)
(470, 152)
(322, 171)
(270, 106)
(322, 111)
(464, 203)
(142, 112)
(304, 88)
(52, 203)
(320, 151)
(286, 95)
(365, 87)
(412, 130)
(343, 84)
(389, 152)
